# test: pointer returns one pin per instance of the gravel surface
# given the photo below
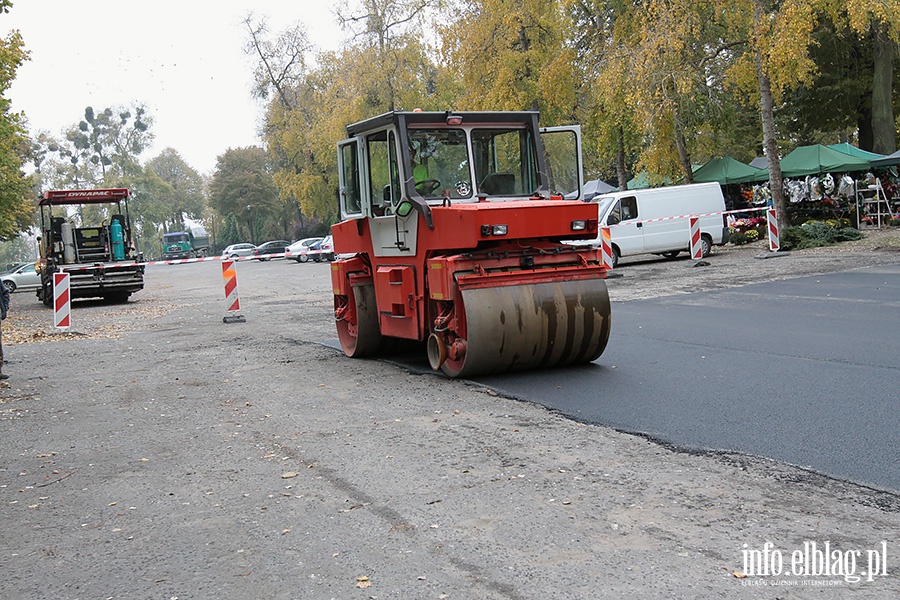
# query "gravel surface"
(156, 452)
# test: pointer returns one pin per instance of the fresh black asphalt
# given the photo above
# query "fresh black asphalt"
(805, 371)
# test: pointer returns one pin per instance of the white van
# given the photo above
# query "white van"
(627, 213)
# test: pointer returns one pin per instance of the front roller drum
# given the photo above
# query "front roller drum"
(525, 327)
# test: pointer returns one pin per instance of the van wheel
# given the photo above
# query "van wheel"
(672, 254)
(705, 245)
(615, 257)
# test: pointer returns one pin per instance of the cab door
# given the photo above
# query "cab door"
(349, 180)
(563, 161)
(626, 227)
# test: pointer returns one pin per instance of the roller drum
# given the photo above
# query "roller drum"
(532, 326)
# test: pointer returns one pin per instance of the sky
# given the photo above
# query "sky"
(183, 59)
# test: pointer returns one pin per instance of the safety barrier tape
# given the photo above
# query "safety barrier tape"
(712, 214)
(180, 261)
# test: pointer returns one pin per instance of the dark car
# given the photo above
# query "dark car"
(273, 247)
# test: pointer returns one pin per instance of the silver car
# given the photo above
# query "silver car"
(235, 250)
(23, 277)
(302, 247)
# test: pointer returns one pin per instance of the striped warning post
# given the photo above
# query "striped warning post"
(772, 218)
(232, 301)
(696, 246)
(606, 247)
(62, 309)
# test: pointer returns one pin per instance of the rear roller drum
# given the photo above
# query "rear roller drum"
(357, 322)
(525, 326)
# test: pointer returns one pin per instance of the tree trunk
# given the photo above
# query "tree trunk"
(767, 114)
(883, 127)
(865, 135)
(684, 157)
(621, 173)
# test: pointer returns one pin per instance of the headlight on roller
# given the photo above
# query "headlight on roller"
(579, 225)
(489, 230)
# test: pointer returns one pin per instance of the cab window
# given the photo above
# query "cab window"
(384, 176)
(504, 162)
(350, 196)
(440, 163)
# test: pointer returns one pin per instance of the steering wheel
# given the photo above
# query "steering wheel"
(427, 187)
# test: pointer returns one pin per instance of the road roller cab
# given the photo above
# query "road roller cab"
(454, 224)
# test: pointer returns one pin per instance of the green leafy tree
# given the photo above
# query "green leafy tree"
(877, 24)
(113, 139)
(229, 233)
(15, 188)
(184, 194)
(243, 186)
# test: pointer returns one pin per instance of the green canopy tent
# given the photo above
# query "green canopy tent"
(852, 150)
(816, 159)
(890, 159)
(727, 170)
(644, 180)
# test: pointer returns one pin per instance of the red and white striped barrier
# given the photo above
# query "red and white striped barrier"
(182, 261)
(62, 306)
(772, 218)
(696, 246)
(712, 214)
(606, 247)
(232, 300)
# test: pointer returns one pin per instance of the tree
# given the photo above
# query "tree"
(101, 149)
(282, 62)
(242, 185)
(878, 22)
(229, 234)
(111, 140)
(512, 55)
(15, 188)
(385, 68)
(611, 136)
(184, 193)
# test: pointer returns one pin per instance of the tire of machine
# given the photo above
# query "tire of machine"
(533, 326)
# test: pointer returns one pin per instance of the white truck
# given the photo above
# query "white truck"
(647, 221)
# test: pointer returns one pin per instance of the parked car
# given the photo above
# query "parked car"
(23, 277)
(302, 246)
(273, 247)
(10, 267)
(236, 250)
(324, 250)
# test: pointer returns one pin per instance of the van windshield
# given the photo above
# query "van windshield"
(604, 203)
